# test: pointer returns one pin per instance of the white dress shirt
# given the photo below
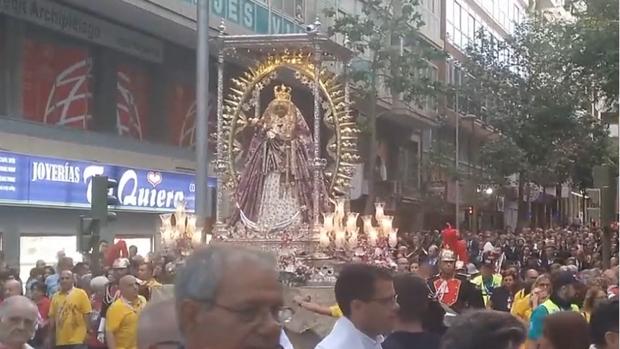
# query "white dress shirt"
(285, 343)
(346, 335)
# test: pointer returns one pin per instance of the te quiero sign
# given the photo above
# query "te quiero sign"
(42, 181)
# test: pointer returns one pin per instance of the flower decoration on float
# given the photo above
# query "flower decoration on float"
(340, 234)
(178, 231)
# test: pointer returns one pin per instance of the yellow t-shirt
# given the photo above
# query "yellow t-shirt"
(521, 308)
(68, 310)
(519, 295)
(335, 311)
(122, 321)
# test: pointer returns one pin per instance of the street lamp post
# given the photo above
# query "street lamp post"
(202, 118)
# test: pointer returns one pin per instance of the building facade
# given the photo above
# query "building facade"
(103, 87)
(110, 85)
(482, 205)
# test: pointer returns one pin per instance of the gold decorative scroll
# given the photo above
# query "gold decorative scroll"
(341, 147)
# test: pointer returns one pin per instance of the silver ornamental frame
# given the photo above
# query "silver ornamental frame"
(323, 49)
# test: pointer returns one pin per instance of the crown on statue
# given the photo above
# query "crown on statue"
(282, 92)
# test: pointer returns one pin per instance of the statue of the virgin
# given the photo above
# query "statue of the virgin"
(275, 186)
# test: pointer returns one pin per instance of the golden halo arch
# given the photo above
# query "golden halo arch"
(341, 147)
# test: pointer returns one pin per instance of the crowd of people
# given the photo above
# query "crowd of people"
(92, 304)
(534, 289)
(525, 277)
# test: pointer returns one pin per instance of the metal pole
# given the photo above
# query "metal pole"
(202, 117)
(269, 17)
(456, 155)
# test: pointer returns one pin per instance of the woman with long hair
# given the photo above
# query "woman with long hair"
(419, 320)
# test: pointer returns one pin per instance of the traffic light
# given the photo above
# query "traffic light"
(102, 196)
(87, 234)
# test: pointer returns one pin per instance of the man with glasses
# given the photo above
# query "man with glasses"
(228, 297)
(122, 317)
(366, 296)
(18, 318)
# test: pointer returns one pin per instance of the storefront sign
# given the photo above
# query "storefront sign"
(252, 15)
(57, 17)
(42, 181)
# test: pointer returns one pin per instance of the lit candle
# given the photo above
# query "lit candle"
(180, 208)
(353, 238)
(197, 236)
(340, 238)
(386, 225)
(372, 236)
(323, 237)
(180, 221)
(393, 238)
(165, 220)
(328, 221)
(352, 222)
(379, 207)
(340, 208)
(367, 223)
(191, 224)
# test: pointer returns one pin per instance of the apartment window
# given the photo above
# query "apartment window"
(410, 160)
(450, 20)
(472, 28)
(488, 5)
(516, 17)
(459, 16)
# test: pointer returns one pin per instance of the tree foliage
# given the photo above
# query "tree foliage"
(537, 97)
(390, 50)
(594, 43)
(392, 55)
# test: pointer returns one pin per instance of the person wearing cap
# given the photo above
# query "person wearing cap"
(451, 289)
(120, 268)
(563, 292)
(487, 281)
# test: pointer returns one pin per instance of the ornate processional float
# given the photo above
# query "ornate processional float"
(281, 168)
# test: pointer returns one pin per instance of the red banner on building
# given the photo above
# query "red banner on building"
(181, 114)
(56, 85)
(132, 101)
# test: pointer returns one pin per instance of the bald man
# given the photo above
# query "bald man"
(18, 318)
(122, 316)
(69, 314)
(12, 288)
(158, 327)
